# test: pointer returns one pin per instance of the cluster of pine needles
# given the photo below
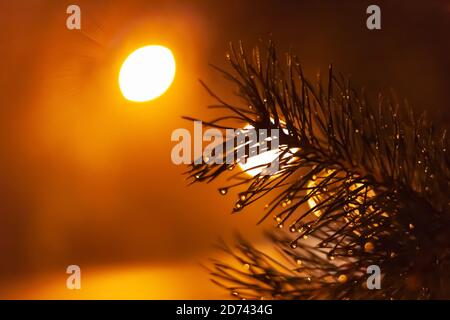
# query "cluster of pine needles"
(361, 182)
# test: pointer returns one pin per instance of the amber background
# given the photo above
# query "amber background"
(86, 177)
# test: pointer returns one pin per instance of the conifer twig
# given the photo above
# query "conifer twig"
(365, 182)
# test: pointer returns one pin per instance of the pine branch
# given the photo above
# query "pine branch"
(361, 182)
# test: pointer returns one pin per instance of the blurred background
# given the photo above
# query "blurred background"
(86, 177)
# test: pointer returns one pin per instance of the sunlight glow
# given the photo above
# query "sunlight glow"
(256, 164)
(147, 73)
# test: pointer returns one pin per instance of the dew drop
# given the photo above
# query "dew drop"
(368, 247)
(342, 278)
(223, 191)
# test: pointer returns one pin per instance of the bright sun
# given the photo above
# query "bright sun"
(147, 73)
